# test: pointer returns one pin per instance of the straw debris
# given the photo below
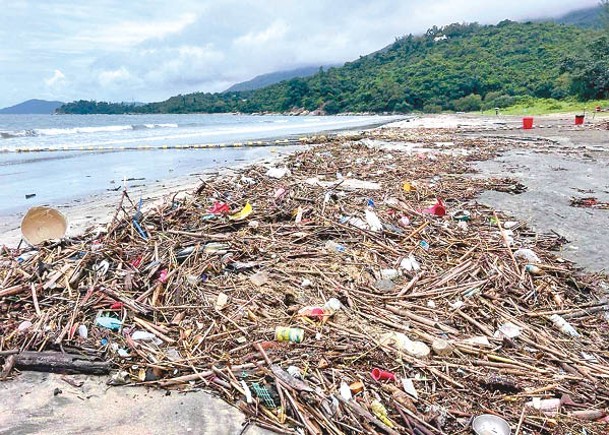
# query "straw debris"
(189, 294)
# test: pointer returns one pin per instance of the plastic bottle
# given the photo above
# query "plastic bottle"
(312, 312)
(26, 256)
(390, 273)
(83, 332)
(533, 270)
(294, 335)
(333, 304)
(547, 406)
(382, 375)
(345, 391)
(380, 411)
(333, 246)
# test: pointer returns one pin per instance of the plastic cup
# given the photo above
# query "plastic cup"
(381, 375)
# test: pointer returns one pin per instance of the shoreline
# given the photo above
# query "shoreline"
(61, 172)
(98, 208)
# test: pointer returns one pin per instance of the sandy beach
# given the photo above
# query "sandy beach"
(571, 144)
(490, 167)
(323, 218)
(96, 211)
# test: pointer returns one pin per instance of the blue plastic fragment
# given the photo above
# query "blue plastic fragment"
(108, 322)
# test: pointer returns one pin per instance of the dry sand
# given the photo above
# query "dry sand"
(42, 403)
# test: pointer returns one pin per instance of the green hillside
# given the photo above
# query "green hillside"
(589, 17)
(459, 67)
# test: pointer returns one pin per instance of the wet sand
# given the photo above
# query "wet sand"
(576, 165)
(96, 211)
(42, 403)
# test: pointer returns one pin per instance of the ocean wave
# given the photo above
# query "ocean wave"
(145, 126)
(80, 130)
(17, 133)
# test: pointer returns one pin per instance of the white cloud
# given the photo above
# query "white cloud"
(56, 80)
(273, 33)
(112, 77)
(131, 32)
(147, 51)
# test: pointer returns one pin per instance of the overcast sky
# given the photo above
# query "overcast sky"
(121, 50)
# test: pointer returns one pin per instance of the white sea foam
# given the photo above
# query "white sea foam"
(7, 134)
(77, 130)
(160, 131)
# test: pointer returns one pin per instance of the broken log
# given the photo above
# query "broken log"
(57, 362)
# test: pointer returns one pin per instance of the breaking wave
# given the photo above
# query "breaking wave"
(80, 130)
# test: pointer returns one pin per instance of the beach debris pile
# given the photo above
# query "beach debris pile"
(353, 289)
(589, 202)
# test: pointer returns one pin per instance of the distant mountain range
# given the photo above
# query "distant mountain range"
(588, 18)
(264, 80)
(459, 67)
(32, 107)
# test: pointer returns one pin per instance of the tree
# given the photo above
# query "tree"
(469, 103)
(590, 70)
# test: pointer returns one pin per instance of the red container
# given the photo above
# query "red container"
(527, 123)
(579, 119)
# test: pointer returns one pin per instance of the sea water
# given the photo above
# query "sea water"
(87, 154)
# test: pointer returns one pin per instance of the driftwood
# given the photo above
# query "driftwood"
(7, 367)
(57, 362)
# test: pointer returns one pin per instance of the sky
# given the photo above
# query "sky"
(118, 50)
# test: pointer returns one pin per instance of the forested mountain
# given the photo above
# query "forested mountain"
(589, 18)
(271, 78)
(457, 67)
(84, 107)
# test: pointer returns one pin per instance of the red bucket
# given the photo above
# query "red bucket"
(579, 119)
(527, 123)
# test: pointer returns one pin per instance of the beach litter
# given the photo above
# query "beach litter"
(589, 202)
(43, 223)
(286, 320)
(489, 424)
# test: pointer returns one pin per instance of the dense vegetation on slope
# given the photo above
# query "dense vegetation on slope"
(83, 107)
(459, 67)
(589, 70)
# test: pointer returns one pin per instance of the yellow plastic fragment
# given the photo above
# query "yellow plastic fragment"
(380, 411)
(243, 213)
